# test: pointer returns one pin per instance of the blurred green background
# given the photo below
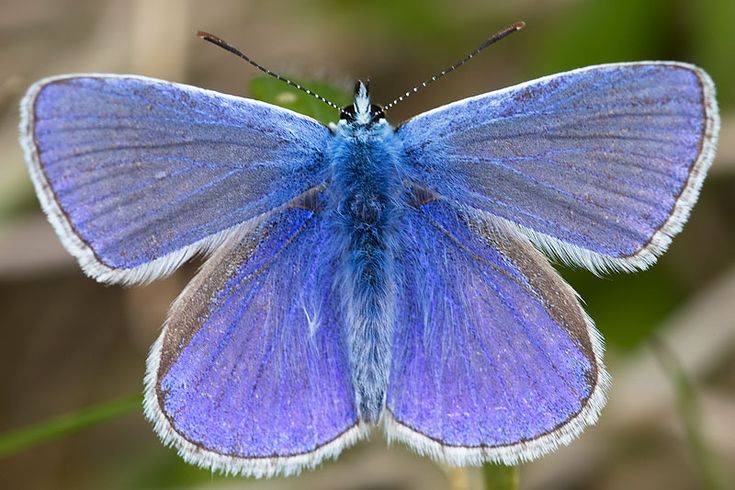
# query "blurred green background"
(67, 343)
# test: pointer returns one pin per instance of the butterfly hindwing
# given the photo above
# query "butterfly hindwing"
(137, 174)
(599, 166)
(493, 357)
(250, 375)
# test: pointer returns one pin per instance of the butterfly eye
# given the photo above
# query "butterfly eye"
(376, 113)
(348, 113)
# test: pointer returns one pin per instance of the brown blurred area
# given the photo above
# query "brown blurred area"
(67, 342)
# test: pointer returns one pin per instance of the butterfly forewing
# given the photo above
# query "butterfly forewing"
(599, 166)
(138, 174)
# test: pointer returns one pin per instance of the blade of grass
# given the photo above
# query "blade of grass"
(712, 474)
(501, 477)
(48, 430)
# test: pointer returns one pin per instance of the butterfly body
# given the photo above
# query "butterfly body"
(360, 275)
(367, 197)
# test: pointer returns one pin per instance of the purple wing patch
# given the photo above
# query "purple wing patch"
(493, 357)
(250, 375)
(137, 175)
(599, 166)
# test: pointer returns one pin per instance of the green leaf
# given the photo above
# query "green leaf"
(501, 477)
(279, 93)
(54, 428)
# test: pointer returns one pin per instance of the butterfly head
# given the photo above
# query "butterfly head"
(361, 111)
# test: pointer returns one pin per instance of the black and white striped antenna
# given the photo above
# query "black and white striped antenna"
(224, 45)
(491, 40)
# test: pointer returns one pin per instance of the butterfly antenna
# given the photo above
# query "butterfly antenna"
(491, 40)
(224, 45)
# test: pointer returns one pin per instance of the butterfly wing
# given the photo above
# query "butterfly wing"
(250, 373)
(137, 174)
(598, 166)
(493, 357)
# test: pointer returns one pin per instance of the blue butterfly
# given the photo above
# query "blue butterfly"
(363, 275)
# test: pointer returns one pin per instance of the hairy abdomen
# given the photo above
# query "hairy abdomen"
(366, 196)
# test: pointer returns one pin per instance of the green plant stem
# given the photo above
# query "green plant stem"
(713, 476)
(48, 430)
(501, 477)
